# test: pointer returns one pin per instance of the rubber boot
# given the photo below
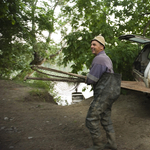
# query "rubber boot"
(111, 144)
(96, 144)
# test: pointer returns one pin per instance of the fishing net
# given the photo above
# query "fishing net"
(64, 81)
(65, 84)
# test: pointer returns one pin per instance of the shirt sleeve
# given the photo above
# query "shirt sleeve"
(95, 73)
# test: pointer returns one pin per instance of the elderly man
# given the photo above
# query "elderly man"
(106, 86)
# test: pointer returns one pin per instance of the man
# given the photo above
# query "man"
(106, 86)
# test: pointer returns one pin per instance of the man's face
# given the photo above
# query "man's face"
(96, 47)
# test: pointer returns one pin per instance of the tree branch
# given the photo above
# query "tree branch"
(58, 52)
(148, 24)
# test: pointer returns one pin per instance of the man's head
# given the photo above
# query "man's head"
(97, 44)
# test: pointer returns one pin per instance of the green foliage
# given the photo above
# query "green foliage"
(78, 50)
(36, 92)
(14, 60)
(133, 16)
(111, 19)
(22, 23)
(123, 56)
(39, 83)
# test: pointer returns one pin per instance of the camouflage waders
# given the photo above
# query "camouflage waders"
(106, 91)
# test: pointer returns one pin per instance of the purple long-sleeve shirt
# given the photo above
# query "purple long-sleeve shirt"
(100, 64)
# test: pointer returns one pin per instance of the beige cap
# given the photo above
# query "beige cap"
(100, 39)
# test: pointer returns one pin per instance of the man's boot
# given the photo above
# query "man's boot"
(111, 144)
(96, 144)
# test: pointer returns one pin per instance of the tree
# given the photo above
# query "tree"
(21, 26)
(22, 23)
(11, 26)
(110, 19)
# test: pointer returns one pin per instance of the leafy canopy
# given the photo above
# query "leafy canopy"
(22, 23)
(89, 18)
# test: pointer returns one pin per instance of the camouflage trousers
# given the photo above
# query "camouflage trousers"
(106, 91)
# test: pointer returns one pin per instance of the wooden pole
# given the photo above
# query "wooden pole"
(54, 70)
(55, 79)
(52, 75)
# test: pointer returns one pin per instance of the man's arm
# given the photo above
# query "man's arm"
(95, 73)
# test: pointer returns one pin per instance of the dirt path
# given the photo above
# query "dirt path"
(30, 122)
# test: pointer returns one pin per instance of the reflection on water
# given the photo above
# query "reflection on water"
(64, 91)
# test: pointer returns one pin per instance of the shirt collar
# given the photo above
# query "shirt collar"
(102, 52)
